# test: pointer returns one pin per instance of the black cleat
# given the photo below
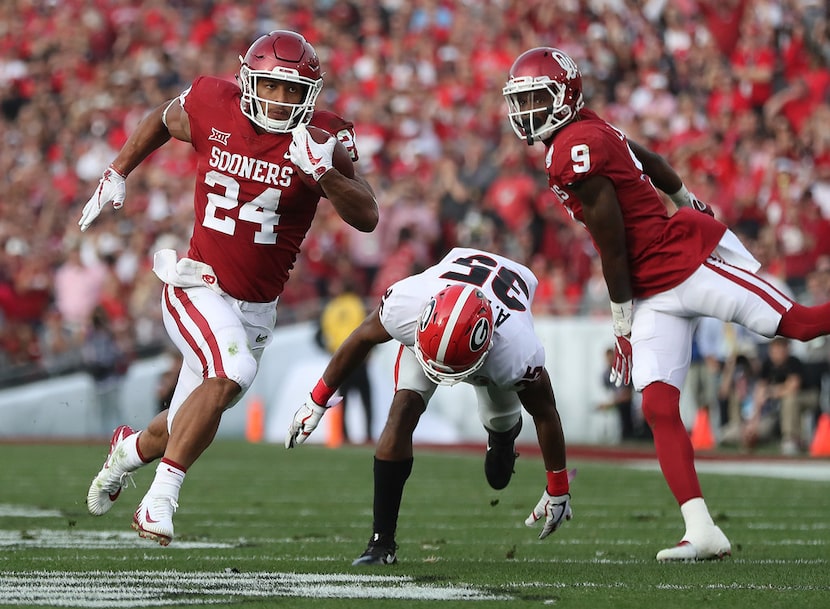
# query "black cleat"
(380, 551)
(501, 456)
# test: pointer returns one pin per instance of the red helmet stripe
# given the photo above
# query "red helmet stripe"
(452, 320)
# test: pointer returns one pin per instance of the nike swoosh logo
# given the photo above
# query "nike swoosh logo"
(147, 516)
(311, 157)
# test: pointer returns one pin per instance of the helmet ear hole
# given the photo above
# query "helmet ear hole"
(454, 334)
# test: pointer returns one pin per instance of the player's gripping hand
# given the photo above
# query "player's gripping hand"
(349, 141)
(554, 509)
(111, 189)
(621, 370)
(306, 420)
(685, 198)
(309, 156)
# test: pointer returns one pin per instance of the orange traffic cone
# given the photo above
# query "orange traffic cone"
(820, 446)
(702, 437)
(255, 421)
(334, 416)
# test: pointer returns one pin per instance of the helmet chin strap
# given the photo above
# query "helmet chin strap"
(528, 131)
(526, 125)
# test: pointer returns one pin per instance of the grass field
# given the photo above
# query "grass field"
(259, 526)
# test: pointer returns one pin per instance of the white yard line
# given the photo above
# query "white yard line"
(165, 588)
(818, 471)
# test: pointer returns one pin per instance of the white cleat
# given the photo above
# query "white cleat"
(711, 544)
(154, 518)
(107, 485)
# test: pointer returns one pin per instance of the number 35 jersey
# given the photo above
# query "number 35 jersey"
(252, 209)
(517, 356)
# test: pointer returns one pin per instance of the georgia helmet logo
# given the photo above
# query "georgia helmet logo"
(480, 334)
(427, 314)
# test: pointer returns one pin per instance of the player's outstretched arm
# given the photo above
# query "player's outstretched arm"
(351, 353)
(538, 400)
(554, 508)
(151, 133)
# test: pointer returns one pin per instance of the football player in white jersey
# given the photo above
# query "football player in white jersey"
(466, 319)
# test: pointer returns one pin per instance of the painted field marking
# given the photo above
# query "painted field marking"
(812, 471)
(92, 540)
(165, 588)
(8, 510)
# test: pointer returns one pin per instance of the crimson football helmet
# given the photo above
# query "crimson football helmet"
(455, 333)
(543, 93)
(280, 55)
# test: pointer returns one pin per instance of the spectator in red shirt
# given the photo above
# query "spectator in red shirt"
(753, 62)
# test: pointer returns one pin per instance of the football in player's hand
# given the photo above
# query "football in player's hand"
(341, 159)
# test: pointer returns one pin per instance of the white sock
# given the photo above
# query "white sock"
(168, 481)
(696, 515)
(133, 461)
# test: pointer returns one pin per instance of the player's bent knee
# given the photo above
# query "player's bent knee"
(237, 377)
(502, 422)
(661, 402)
(406, 410)
(245, 371)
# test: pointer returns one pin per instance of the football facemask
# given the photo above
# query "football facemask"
(543, 93)
(286, 56)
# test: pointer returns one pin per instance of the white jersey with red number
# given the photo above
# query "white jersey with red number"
(663, 250)
(517, 356)
(252, 209)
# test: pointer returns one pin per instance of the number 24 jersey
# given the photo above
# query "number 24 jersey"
(252, 209)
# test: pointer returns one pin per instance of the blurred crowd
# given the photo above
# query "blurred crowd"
(733, 92)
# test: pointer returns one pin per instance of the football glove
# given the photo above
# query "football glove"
(700, 205)
(554, 509)
(621, 370)
(349, 140)
(685, 198)
(111, 189)
(309, 156)
(306, 420)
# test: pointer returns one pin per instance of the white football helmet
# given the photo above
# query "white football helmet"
(455, 333)
(543, 93)
(280, 55)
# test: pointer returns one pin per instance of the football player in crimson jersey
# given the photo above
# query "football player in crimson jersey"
(466, 319)
(262, 168)
(665, 265)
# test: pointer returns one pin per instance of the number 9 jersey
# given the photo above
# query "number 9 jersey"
(516, 356)
(663, 250)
